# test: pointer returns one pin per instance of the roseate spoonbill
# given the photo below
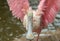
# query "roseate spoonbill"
(34, 20)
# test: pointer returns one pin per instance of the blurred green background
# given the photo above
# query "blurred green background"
(10, 27)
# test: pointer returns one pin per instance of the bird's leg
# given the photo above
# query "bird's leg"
(37, 37)
(38, 32)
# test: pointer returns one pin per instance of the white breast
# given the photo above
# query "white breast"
(36, 20)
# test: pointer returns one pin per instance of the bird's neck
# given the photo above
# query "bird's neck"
(29, 21)
(29, 26)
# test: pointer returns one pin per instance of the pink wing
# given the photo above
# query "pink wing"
(52, 7)
(18, 7)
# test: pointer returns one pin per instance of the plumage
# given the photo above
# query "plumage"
(52, 8)
(45, 13)
(18, 8)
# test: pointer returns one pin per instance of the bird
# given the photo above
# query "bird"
(34, 20)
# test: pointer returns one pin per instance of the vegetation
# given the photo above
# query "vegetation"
(10, 27)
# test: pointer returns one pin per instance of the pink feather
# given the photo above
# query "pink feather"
(18, 7)
(52, 7)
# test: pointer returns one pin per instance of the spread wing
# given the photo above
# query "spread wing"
(18, 8)
(52, 7)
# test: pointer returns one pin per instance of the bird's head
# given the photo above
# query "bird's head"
(30, 13)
